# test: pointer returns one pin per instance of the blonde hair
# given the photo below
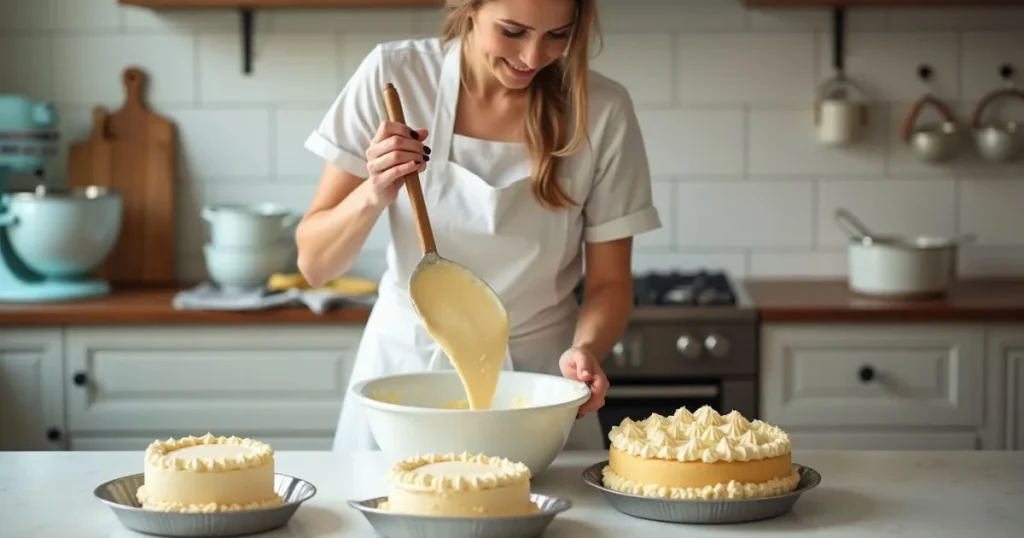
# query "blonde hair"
(548, 107)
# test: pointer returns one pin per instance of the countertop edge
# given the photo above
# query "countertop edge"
(772, 301)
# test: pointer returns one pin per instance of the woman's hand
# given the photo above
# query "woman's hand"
(394, 152)
(579, 364)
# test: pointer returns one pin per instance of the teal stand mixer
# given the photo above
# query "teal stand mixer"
(50, 239)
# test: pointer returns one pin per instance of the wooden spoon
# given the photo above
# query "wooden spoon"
(459, 310)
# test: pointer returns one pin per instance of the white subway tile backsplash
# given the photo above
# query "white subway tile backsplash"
(983, 56)
(745, 213)
(981, 261)
(640, 62)
(693, 141)
(287, 68)
(671, 15)
(724, 96)
(967, 19)
(886, 65)
(761, 68)
(291, 128)
(29, 73)
(888, 207)
(88, 68)
(342, 20)
(784, 142)
(732, 262)
(230, 143)
(103, 15)
(185, 21)
(812, 20)
(798, 264)
(991, 210)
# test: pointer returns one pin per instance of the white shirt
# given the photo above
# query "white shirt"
(609, 178)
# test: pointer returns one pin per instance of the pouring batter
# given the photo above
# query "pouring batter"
(471, 327)
(534, 166)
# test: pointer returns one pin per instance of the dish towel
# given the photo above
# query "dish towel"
(207, 296)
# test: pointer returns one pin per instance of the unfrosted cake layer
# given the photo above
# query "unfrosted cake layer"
(464, 484)
(700, 455)
(208, 474)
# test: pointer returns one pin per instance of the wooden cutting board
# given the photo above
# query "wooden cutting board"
(132, 151)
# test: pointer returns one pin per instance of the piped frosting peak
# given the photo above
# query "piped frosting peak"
(164, 454)
(410, 474)
(703, 435)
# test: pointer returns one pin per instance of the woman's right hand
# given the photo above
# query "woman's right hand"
(394, 152)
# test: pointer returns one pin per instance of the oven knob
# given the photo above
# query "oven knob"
(687, 347)
(716, 345)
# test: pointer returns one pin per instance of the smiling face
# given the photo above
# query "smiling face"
(517, 38)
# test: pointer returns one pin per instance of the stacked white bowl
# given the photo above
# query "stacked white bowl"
(248, 244)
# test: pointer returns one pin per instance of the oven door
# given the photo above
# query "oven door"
(638, 401)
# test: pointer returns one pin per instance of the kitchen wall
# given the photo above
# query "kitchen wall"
(724, 97)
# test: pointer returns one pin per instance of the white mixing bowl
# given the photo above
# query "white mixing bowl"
(529, 422)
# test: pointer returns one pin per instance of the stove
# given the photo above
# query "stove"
(692, 341)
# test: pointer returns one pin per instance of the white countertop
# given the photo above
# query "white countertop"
(879, 494)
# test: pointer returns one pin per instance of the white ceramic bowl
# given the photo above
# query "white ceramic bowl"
(529, 422)
(245, 269)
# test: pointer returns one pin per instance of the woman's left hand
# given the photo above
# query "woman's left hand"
(581, 365)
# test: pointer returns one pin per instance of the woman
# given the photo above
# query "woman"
(527, 156)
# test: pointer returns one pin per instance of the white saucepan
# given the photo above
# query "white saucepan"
(897, 266)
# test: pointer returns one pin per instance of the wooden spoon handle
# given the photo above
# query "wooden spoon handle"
(393, 104)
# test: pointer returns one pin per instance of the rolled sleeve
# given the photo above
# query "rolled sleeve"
(620, 203)
(351, 122)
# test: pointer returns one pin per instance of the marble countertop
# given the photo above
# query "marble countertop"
(879, 494)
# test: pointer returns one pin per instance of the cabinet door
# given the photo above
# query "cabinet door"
(31, 395)
(154, 382)
(1006, 385)
(875, 376)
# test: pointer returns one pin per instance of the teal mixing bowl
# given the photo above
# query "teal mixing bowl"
(63, 233)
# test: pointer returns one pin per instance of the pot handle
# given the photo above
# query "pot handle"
(915, 111)
(991, 98)
(853, 226)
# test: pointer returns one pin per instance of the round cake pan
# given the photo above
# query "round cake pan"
(395, 525)
(710, 512)
(119, 495)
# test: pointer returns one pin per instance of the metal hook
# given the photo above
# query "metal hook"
(924, 72)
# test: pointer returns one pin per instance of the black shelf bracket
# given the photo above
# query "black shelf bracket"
(248, 15)
(838, 39)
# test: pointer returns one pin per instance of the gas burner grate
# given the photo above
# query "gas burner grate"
(679, 288)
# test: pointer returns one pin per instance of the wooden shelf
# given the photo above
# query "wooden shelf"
(247, 11)
(276, 4)
(882, 3)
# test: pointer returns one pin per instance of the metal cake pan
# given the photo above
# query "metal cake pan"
(395, 525)
(119, 495)
(711, 512)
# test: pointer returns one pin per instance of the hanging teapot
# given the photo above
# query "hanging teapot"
(840, 113)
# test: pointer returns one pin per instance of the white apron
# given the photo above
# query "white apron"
(498, 232)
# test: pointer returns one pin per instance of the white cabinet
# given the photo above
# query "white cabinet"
(119, 388)
(284, 382)
(1006, 385)
(887, 387)
(31, 395)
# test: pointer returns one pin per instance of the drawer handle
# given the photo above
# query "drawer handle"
(866, 374)
(80, 379)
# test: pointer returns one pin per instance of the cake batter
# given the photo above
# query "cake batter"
(466, 320)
